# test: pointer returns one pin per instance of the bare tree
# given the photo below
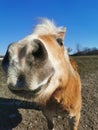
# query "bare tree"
(78, 48)
(69, 50)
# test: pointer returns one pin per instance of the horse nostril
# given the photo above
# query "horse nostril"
(39, 50)
(21, 78)
(21, 81)
(5, 62)
(35, 48)
(7, 57)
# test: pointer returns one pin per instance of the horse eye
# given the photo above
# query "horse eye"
(60, 41)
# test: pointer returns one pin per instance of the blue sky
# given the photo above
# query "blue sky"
(80, 17)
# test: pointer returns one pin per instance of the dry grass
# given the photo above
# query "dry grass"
(86, 64)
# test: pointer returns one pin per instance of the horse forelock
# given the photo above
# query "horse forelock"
(47, 26)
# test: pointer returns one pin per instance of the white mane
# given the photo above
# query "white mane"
(46, 27)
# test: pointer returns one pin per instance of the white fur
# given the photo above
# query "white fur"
(35, 85)
(28, 38)
(47, 27)
(71, 69)
(15, 58)
(12, 77)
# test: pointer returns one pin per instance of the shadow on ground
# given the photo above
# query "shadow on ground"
(9, 113)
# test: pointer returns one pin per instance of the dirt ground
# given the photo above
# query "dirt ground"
(18, 114)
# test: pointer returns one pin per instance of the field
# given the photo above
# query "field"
(18, 113)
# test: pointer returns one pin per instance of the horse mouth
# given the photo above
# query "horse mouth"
(25, 91)
(27, 94)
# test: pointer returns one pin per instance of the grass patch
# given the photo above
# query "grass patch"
(86, 64)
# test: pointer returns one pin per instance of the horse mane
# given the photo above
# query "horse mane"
(46, 26)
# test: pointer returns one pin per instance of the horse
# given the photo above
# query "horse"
(39, 65)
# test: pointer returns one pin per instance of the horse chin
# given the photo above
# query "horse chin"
(23, 92)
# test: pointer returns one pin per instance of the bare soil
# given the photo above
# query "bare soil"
(19, 114)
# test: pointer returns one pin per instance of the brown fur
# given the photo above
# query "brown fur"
(74, 65)
(67, 97)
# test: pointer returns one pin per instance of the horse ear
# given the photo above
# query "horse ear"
(61, 33)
